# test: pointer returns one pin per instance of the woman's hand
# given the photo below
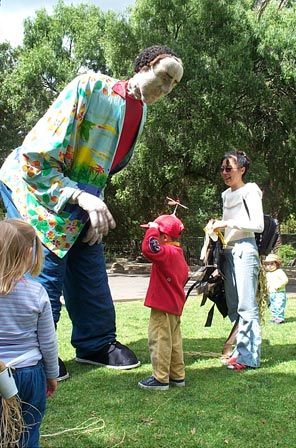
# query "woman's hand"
(218, 225)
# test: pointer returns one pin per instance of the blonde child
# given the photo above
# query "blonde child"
(26, 324)
(166, 298)
(276, 286)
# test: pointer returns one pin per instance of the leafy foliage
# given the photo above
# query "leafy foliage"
(287, 254)
(56, 47)
(226, 99)
(11, 127)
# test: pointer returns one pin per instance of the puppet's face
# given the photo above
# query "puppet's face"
(159, 79)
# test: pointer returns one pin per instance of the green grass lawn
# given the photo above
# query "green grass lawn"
(217, 408)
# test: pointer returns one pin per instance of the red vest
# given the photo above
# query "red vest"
(131, 123)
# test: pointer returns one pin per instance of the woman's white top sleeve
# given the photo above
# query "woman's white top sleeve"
(240, 222)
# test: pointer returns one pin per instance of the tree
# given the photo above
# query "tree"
(274, 118)
(237, 92)
(188, 131)
(11, 127)
(260, 5)
(56, 47)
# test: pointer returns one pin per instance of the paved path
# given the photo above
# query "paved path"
(126, 287)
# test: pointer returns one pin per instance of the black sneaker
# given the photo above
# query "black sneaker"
(177, 383)
(113, 356)
(152, 383)
(63, 374)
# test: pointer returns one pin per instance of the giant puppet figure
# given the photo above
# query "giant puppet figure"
(55, 181)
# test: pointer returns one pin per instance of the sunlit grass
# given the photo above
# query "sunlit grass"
(217, 408)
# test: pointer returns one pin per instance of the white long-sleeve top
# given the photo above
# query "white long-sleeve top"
(240, 224)
(276, 280)
(26, 323)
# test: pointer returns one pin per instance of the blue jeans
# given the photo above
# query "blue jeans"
(241, 269)
(82, 278)
(31, 384)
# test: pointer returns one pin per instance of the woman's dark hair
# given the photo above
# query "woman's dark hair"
(149, 54)
(240, 157)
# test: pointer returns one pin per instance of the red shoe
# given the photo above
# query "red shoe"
(234, 365)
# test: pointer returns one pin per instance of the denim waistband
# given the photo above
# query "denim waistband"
(232, 243)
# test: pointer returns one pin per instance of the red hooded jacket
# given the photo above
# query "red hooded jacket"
(169, 274)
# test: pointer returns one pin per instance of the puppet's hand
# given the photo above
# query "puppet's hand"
(92, 237)
(100, 217)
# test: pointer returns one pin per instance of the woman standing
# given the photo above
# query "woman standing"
(242, 216)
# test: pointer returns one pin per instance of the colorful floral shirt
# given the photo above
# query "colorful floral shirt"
(72, 146)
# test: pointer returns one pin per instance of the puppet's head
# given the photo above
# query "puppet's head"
(158, 70)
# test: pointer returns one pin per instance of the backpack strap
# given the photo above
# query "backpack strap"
(246, 207)
(210, 317)
(191, 288)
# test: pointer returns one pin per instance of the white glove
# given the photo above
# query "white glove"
(100, 217)
(92, 237)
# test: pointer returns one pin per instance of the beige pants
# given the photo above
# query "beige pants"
(165, 346)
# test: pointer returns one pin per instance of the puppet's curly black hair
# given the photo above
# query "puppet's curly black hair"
(150, 53)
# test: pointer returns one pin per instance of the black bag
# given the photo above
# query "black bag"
(267, 239)
(210, 281)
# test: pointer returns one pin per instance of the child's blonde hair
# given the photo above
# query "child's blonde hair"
(16, 239)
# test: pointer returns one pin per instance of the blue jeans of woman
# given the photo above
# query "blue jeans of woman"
(82, 278)
(31, 384)
(241, 269)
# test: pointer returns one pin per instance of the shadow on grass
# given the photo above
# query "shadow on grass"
(290, 319)
(217, 407)
(196, 350)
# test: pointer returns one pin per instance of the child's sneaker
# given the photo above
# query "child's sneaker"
(153, 384)
(278, 320)
(63, 373)
(177, 383)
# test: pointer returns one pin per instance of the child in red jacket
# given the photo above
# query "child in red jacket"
(166, 298)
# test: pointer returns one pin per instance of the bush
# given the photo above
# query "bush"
(289, 225)
(287, 253)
